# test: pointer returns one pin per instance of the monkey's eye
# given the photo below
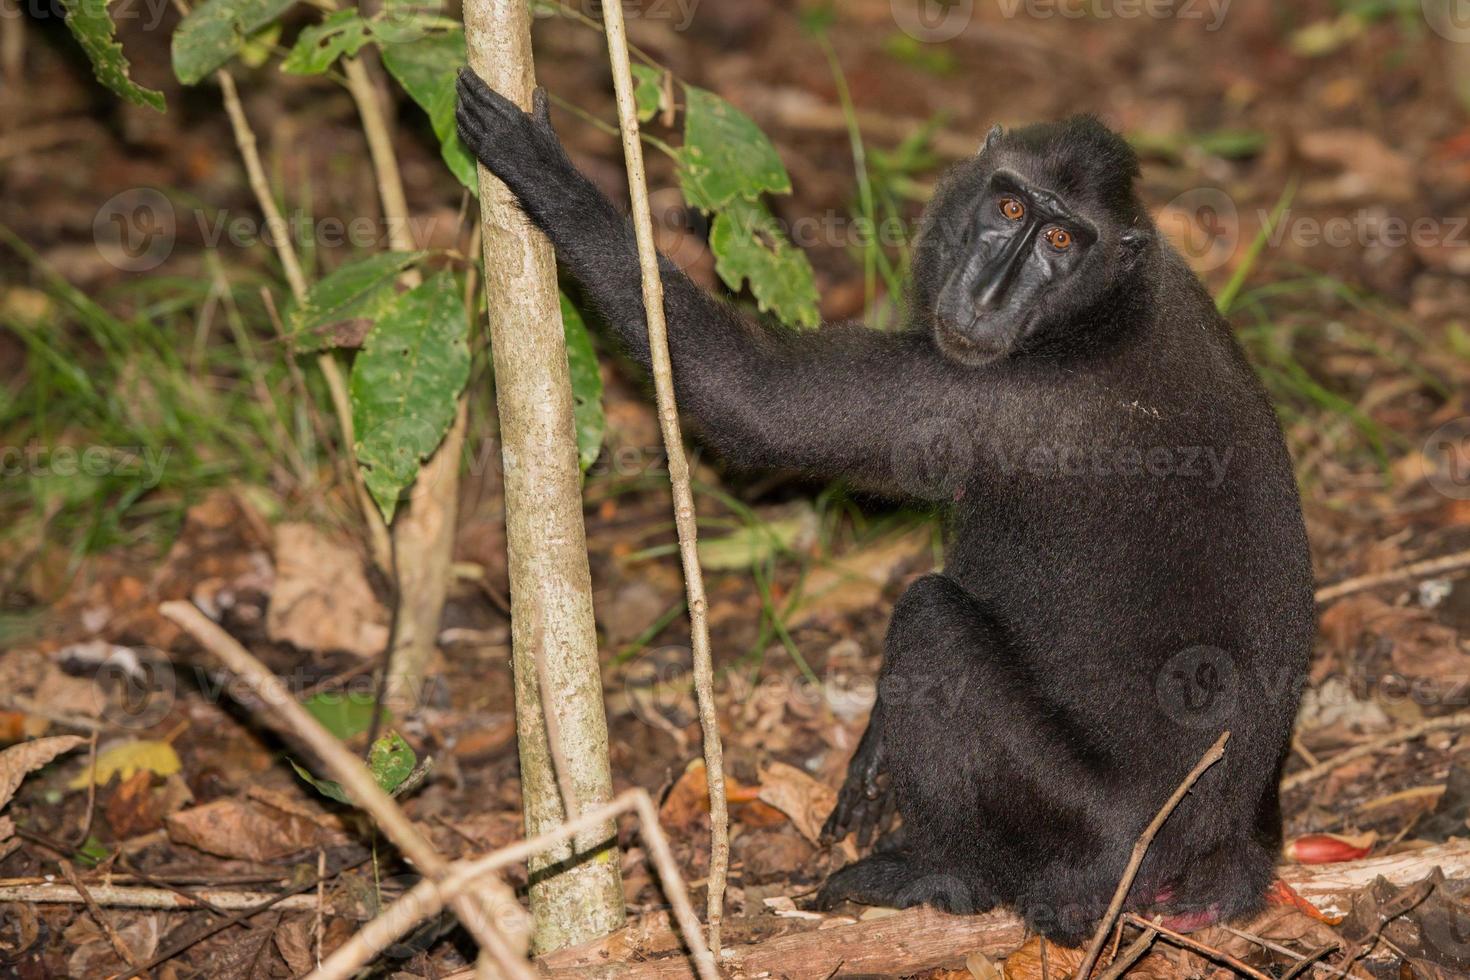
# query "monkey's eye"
(1012, 209)
(1059, 239)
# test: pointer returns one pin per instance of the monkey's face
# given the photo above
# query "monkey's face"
(1025, 245)
(1017, 250)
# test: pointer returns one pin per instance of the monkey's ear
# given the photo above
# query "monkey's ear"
(996, 132)
(1131, 246)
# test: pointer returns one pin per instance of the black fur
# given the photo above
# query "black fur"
(1127, 574)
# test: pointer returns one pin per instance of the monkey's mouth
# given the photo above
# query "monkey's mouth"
(961, 345)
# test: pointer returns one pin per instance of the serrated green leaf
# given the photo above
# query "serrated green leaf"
(346, 303)
(341, 32)
(427, 68)
(91, 25)
(725, 155)
(748, 246)
(405, 386)
(586, 385)
(215, 30)
(343, 714)
(391, 760)
(648, 91)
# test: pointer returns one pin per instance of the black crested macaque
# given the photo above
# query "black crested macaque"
(1127, 574)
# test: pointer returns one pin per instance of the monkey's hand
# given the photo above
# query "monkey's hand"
(518, 147)
(865, 803)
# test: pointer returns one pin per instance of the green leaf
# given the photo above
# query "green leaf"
(91, 25)
(586, 385)
(648, 91)
(344, 305)
(426, 68)
(217, 29)
(725, 156)
(91, 853)
(405, 386)
(342, 32)
(331, 790)
(391, 761)
(343, 714)
(748, 245)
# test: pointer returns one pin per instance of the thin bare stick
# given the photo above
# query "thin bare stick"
(1392, 739)
(122, 896)
(241, 917)
(91, 812)
(327, 362)
(428, 897)
(385, 161)
(1129, 956)
(1310, 962)
(98, 916)
(1303, 963)
(1140, 848)
(684, 516)
(260, 185)
(1444, 565)
(492, 915)
(1179, 939)
(564, 781)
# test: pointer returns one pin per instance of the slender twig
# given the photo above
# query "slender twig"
(1140, 848)
(428, 897)
(482, 913)
(1388, 741)
(1302, 964)
(91, 813)
(1310, 962)
(1444, 565)
(571, 806)
(1179, 939)
(101, 918)
(684, 515)
(282, 901)
(1121, 963)
(327, 362)
(135, 897)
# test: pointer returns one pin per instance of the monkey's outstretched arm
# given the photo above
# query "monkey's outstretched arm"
(840, 401)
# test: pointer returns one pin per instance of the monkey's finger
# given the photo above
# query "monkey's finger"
(475, 91)
(541, 108)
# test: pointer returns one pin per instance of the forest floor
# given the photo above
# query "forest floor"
(1353, 121)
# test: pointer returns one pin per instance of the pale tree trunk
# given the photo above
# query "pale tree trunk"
(576, 892)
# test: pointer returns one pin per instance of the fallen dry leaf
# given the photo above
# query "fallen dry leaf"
(237, 828)
(321, 599)
(857, 579)
(805, 801)
(296, 941)
(18, 760)
(127, 758)
(1062, 961)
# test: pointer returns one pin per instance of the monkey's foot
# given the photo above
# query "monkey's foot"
(894, 881)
